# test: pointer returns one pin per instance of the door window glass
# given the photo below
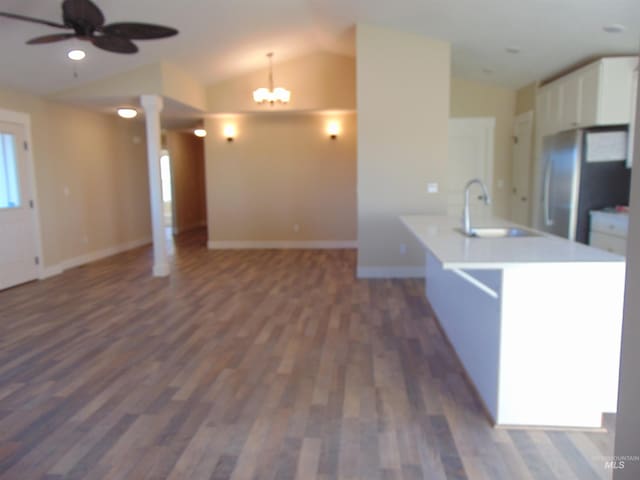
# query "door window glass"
(9, 181)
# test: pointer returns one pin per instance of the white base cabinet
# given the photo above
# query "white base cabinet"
(540, 342)
(609, 231)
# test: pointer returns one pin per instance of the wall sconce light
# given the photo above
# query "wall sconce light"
(230, 132)
(333, 129)
(200, 132)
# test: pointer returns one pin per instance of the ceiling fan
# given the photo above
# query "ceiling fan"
(88, 23)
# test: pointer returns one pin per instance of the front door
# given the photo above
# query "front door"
(18, 262)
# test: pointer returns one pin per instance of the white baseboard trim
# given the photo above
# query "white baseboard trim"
(390, 272)
(48, 272)
(282, 245)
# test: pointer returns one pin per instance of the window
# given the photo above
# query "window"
(9, 181)
(165, 174)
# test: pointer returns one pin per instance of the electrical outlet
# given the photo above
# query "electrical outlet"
(500, 184)
(296, 228)
(432, 187)
(403, 249)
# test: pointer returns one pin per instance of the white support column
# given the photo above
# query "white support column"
(152, 105)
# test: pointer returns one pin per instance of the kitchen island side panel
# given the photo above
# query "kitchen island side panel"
(471, 320)
(560, 345)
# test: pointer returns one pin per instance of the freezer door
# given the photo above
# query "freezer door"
(560, 183)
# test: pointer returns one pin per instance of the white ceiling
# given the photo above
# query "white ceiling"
(220, 39)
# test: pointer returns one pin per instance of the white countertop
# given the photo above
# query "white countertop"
(438, 234)
(611, 213)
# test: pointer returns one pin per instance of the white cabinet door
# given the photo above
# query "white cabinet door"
(614, 106)
(589, 79)
(569, 105)
(544, 113)
(609, 243)
(555, 107)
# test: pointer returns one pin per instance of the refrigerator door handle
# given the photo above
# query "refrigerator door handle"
(547, 188)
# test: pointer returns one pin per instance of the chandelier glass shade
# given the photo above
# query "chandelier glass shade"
(271, 95)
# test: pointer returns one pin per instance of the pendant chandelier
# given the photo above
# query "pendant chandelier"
(271, 95)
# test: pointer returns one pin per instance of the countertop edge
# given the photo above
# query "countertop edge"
(500, 264)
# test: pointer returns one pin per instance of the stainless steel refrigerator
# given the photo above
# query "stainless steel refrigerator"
(573, 183)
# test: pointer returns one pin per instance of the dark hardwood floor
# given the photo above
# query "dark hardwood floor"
(249, 365)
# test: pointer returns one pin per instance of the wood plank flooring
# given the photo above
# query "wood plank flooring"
(266, 365)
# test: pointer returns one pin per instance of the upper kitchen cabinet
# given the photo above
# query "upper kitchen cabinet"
(595, 95)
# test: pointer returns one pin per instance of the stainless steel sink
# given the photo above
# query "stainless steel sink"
(499, 232)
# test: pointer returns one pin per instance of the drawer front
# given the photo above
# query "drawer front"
(610, 224)
(609, 243)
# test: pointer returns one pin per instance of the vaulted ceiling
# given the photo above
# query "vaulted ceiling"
(221, 39)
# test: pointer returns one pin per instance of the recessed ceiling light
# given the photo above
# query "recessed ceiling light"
(127, 112)
(200, 132)
(514, 50)
(77, 55)
(614, 28)
(488, 71)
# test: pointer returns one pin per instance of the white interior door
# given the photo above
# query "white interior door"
(18, 257)
(470, 156)
(521, 169)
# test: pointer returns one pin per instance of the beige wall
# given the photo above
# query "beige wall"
(179, 85)
(142, 80)
(163, 79)
(526, 102)
(187, 172)
(628, 418)
(94, 158)
(321, 81)
(403, 83)
(473, 99)
(281, 170)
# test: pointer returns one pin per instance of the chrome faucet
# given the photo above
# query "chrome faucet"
(466, 220)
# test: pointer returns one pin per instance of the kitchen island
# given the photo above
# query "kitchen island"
(535, 320)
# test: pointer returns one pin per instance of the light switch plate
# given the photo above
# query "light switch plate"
(432, 187)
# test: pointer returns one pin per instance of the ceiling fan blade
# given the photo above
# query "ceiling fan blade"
(114, 44)
(82, 12)
(33, 20)
(139, 31)
(58, 37)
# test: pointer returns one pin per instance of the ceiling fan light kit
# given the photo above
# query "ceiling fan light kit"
(76, 55)
(88, 24)
(271, 95)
